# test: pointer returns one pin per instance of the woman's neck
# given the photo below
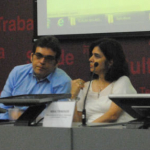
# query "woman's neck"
(99, 84)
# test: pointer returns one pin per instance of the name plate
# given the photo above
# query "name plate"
(59, 114)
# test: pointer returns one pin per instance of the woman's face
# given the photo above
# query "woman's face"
(97, 56)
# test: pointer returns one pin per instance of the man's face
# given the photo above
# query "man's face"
(43, 62)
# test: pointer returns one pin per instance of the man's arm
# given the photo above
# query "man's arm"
(8, 87)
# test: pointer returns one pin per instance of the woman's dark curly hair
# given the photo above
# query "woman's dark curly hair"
(113, 52)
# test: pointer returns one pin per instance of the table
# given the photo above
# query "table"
(75, 138)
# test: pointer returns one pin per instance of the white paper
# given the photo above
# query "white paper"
(59, 114)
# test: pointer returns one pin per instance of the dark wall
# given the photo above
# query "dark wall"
(16, 33)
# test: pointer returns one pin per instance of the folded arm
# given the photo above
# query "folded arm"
(111, 115)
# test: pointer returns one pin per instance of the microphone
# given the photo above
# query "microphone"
(84, 110)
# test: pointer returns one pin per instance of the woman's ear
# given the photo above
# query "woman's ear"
(111, 63)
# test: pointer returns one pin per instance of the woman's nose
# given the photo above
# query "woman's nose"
(91, 58)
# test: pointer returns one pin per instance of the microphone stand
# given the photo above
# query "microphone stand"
(84, 110)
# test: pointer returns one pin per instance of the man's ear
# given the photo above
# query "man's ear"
(57, 65)
(57, 62)
(31, 57)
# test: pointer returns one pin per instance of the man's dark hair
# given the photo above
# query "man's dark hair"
(113, 52)
(48, 42)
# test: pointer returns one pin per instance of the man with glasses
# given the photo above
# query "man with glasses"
(42, 76)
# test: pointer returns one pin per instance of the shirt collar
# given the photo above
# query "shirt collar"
(49, 77)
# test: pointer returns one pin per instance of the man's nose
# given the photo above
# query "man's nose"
(42, 60)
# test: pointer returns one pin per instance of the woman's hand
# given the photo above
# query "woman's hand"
(76, 85)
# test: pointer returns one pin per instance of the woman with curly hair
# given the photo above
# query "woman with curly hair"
(111, 76)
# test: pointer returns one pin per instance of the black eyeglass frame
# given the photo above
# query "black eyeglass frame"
(48, 58)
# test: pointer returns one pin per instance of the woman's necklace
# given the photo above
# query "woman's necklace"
(99, 92)
(100, 86)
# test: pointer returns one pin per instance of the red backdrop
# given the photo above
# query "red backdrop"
(16, 33)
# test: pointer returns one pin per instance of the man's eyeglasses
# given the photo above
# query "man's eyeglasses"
(47, 58)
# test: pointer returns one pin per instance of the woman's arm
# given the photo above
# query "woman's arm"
(122, 86)
(77, 115)
(111, 115)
